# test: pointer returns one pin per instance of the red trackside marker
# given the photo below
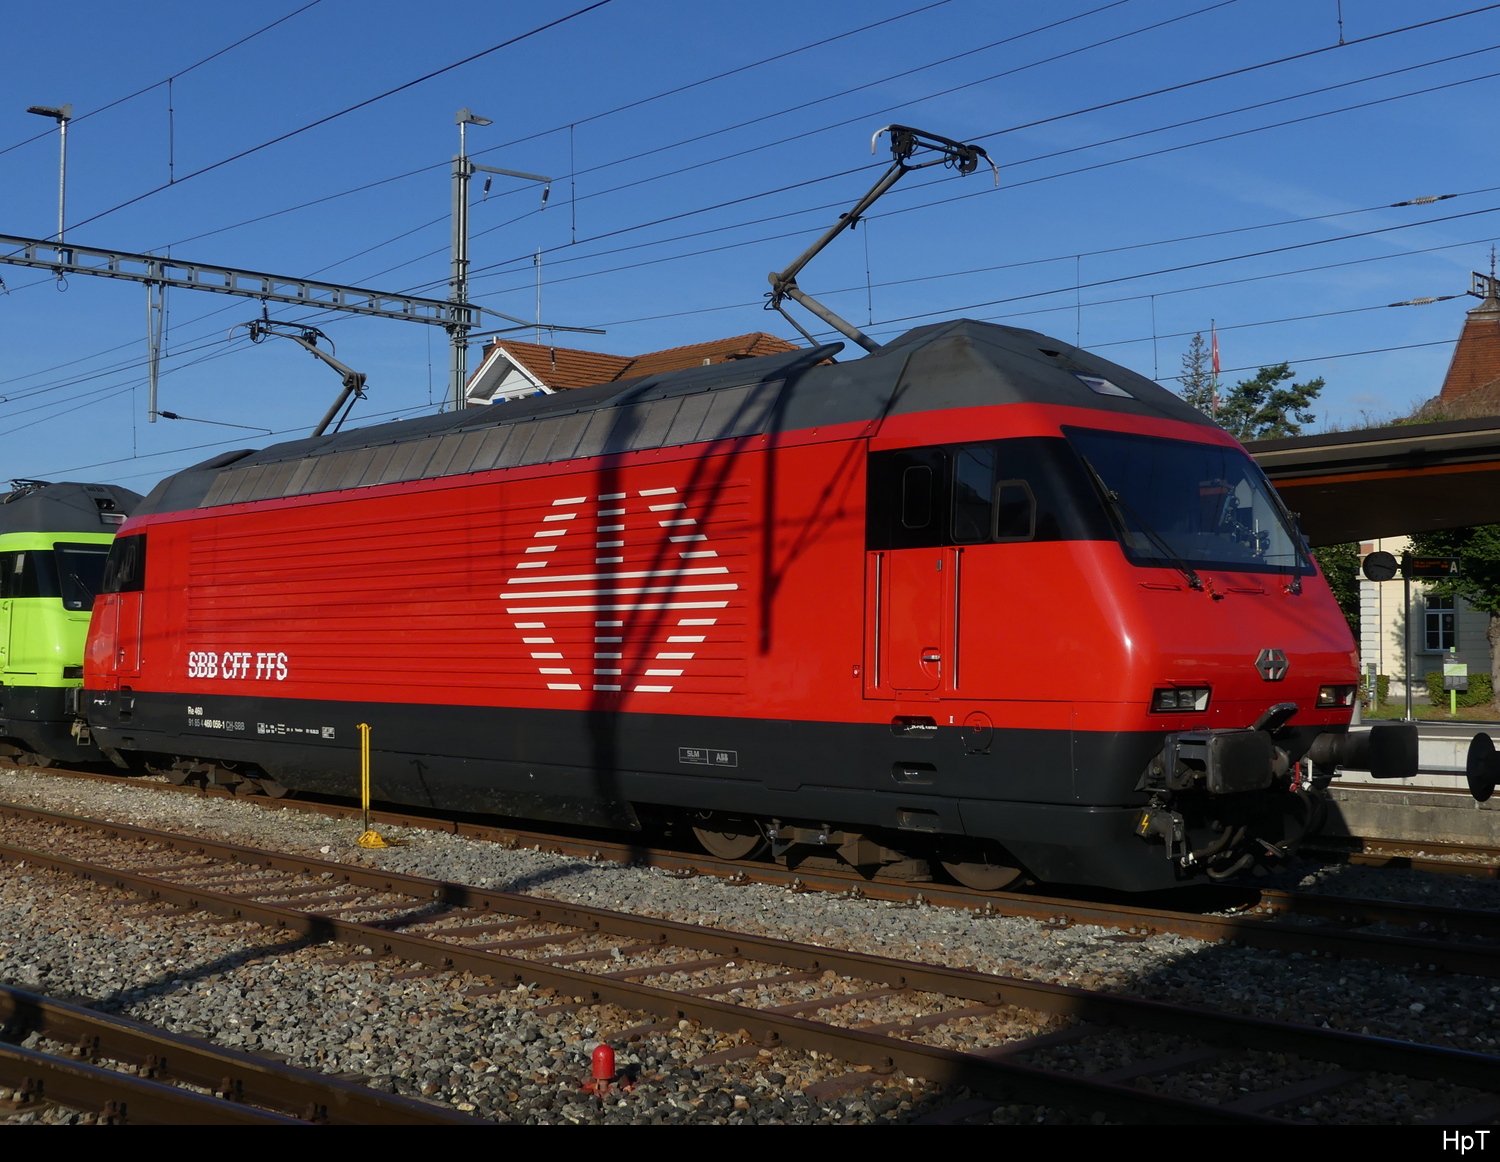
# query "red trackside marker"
(603, 1062)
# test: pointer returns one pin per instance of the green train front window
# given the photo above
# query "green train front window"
(80, 573)
(72, 572)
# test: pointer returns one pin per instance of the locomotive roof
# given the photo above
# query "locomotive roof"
(65, 507)
(955, 364)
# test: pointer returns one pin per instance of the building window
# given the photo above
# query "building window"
(1441, 624)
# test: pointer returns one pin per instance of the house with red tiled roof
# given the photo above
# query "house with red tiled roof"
(511, 369)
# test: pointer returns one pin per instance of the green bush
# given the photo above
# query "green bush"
(1479, 692)
(1382, 688)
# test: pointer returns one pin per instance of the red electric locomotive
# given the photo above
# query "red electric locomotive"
(978, 598)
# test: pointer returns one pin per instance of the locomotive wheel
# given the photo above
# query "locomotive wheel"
(982, 874)
(731, 844)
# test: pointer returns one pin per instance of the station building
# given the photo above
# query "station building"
(1442, 629)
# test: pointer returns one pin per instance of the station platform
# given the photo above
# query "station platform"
(1433, 805)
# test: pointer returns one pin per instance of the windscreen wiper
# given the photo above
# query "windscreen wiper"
(1120, 507)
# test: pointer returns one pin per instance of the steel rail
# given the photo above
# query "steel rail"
(300, 1093)
(882, 1052)
(1417, 856)
(1247, 927)
(123, 1099)
(885, 1054)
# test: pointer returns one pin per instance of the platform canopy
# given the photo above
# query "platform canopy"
(1382, 482)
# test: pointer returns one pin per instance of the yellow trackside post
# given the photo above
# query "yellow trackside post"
(369, 837)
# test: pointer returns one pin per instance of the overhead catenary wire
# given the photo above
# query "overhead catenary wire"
(491, 270)
(182, 72)
(1196, 265)
(573, 174)
(1118, 101)
(344, 112)
(739, 154)
(1048, 177)
(1116, 279)
(1031, 124)
(868, 115)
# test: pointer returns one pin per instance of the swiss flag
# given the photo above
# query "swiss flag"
(1215, 338)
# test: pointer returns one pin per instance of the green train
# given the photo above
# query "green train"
(54, 539)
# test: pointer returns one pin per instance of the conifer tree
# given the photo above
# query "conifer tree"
(1198, 376)
(1260, 408)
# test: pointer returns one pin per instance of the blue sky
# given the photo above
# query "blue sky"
(1118, 223)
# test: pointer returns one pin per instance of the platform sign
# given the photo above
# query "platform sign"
(1455, 676)
(1430, 568)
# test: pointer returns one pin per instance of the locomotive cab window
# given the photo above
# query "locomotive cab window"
(916, 497)
(125, 568)
(1015, 511)
(1176, 503)
(996, 492)
(973, 493)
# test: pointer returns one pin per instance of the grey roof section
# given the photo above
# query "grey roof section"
(65, 507)
(956, 364)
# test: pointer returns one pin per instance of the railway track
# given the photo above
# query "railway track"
(1449, 940)
(126, 1073)
(1453, 859)
(1020, 1040)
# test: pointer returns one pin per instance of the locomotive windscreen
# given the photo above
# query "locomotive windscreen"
(1206, 504)
(80, 573)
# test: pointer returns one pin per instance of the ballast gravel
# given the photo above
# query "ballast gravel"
(503, 1055)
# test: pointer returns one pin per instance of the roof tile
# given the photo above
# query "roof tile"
(1476, 359)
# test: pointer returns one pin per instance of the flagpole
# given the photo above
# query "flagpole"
(1213, 331)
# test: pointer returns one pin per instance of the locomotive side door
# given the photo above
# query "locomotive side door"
(121, 608)
(906, 572)
(129, 611)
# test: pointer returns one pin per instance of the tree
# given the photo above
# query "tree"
(1198, 385)
(1478, 582)
(1340, 565)
(1261, 409)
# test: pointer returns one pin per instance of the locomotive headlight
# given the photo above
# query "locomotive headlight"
(1336, 695)
(1178, 698)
